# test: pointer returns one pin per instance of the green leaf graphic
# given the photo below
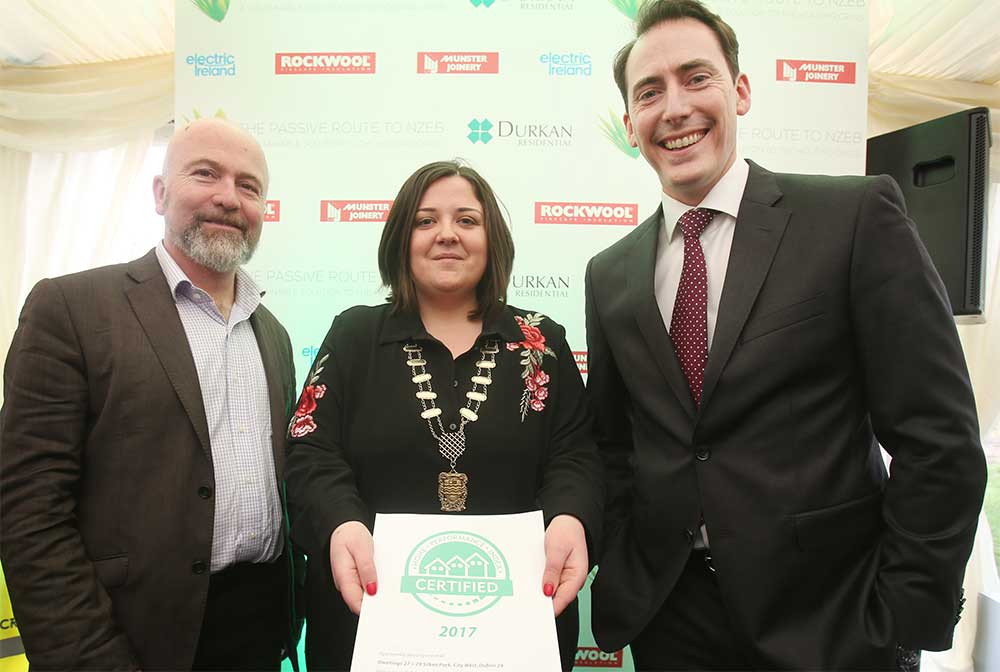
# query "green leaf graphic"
(629, 8)
(195, 114)
(614, 130)
(213, 9)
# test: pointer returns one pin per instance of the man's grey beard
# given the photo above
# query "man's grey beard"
(221, 252)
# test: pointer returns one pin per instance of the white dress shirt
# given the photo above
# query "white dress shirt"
(716, 241)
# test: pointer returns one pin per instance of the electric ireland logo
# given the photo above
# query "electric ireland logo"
(457, 574)
(479, 131)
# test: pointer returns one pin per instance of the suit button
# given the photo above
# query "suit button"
(703, 454)
(198, 567)
(689, 535)
(204, 492)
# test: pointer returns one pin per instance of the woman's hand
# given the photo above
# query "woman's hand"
(565, 561)
(352, 563)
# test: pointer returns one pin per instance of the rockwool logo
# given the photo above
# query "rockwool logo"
(460, 62)
(623, 214)
(324, 63)
(272, 211)
(591, 656)
(354, 211)
(827, 72)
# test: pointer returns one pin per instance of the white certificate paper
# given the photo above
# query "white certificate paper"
(458, 593)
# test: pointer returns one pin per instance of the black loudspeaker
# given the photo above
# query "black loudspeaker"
(942, 166)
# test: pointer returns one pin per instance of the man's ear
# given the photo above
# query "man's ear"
(628, 128)
(742, 94)
(160, 194)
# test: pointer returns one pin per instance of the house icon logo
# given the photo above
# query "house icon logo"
(457, 574)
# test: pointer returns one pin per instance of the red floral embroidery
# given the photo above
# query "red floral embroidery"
(302, 422)
(302, 425)
(535, 349)
(307, 402)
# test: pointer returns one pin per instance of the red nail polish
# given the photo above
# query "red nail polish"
(548, 589)
(371, 588)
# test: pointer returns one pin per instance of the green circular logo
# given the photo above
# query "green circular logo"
(457, 574)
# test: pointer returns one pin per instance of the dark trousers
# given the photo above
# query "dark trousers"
(691, 631)
(244, 619)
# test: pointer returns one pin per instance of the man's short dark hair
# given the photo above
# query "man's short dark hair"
(655, 12)
(394, 247)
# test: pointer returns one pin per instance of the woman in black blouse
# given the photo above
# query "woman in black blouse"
(444, 399)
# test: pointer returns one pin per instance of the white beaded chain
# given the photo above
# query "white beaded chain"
(451, 444)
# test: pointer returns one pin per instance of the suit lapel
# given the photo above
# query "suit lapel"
(270, 356)
(155, 309)
(640, 262)
(759, 228)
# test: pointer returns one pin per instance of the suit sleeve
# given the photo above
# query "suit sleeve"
(572, 481)
(321, 487)
(64, 614)
(923, 414)
(609, 402)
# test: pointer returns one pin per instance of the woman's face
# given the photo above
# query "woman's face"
(448, 245)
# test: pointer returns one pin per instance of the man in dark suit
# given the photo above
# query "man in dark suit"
(750, 345)
(142, 440)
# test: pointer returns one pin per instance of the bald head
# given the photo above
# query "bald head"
(212, 194)
(219, 132)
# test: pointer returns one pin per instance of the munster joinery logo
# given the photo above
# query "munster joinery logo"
(354, 211)
(458, 62)
(622, 214)
(826, 72)
(272, 211)
(325, 63)
(457, 574)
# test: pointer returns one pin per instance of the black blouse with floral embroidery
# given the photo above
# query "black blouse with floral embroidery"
(357, 443)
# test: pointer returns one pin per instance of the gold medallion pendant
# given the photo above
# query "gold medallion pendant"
(453, 490)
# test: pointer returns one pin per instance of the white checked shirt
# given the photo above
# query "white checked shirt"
(234, 390)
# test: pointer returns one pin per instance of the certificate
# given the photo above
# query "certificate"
(458, 593)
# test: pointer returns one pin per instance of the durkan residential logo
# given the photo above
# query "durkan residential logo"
(826, 72)
(561, 212)
(458, 62)
(482, 3)
(614, 130)
(213, 9)
(457, 574)
(325, 63)
(522, 133)
(272, 211)
(479, 131)
(354, 211)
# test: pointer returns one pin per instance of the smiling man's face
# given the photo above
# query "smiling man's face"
(682, 107)
(211, 195)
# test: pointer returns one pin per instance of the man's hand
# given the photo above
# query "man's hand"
(565, 561)
(352, 563)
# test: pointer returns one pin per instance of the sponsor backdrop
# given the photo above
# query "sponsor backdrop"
(348, 97)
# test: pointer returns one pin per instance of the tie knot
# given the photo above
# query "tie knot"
(694, 221)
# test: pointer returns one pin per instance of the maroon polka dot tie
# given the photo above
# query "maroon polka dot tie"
(689, 321)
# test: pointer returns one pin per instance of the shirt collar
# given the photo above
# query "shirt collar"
(407, 326)
(248, 293)
(725, 197)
